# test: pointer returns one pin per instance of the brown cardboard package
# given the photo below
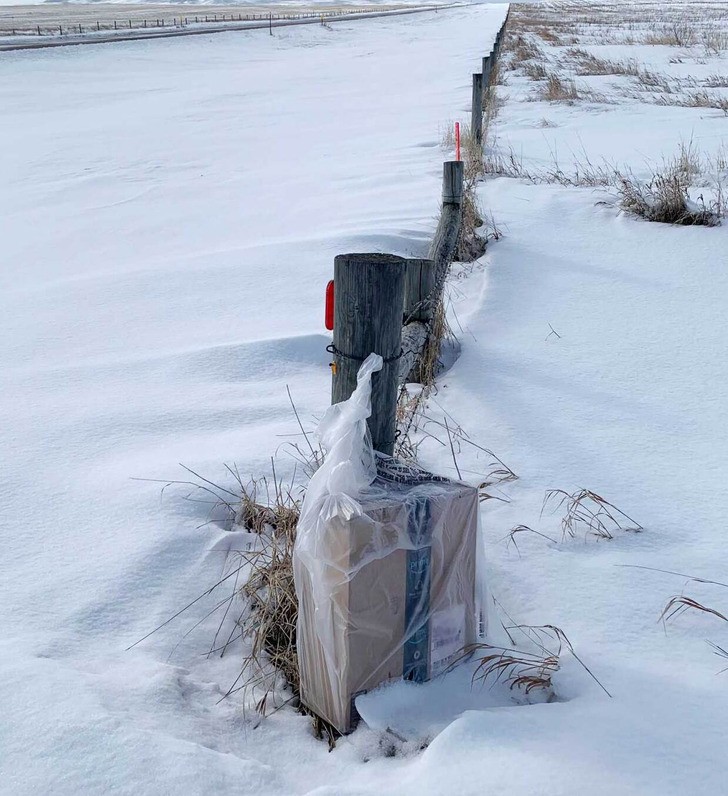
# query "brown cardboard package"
(397, 596)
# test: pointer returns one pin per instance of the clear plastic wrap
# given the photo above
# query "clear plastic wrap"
(384, 566)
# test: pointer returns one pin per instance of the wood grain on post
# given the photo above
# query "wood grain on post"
(419, 290)
(369, 291)
(476, 113)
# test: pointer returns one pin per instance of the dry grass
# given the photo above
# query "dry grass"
(714, 40)
(664, 198)
(522, 48)
(415, 422)
(536, 71)
(259, 580)
(580, 174)
(588, 64)
(565, 90)
(472, 154)
(429, 363)
(521, 670)
(269, 596)
(680, 604)
(447, 137)
(693, 99)
(558, 90)
(470, 245)
(530, 669)
(716, 81)
(520, 529)
(550, 36)
(588, 513)
(673, 34)
(720, 652)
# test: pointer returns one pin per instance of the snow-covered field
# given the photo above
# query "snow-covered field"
(169, 219)
(169, 216)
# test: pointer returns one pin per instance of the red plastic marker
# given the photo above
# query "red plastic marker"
(457, 140)
(329, 314)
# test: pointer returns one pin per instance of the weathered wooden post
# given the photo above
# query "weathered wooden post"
(448, 229)
(419, 290)
(369, 298)
(487, 68)
(476, 112)
(420, 301)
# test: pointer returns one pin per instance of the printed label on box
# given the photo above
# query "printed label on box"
(447, 637)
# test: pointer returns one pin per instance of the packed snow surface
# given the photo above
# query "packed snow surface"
(169, 218)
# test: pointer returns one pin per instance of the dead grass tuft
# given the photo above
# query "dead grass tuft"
(716, 81)
(694, 99)
(665, 199)
(714, 40)
(673, 34)
(526, 670)
(536, 71)
(521, 670)
(470, 245)
(589, 513)
(522, 48)
(589, 64)
(680, 604)
(548, 34)
(269, 596)
(558, 90)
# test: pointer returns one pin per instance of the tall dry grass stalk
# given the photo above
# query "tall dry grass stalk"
(588, 513)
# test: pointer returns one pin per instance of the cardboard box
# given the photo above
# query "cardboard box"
(399, 595)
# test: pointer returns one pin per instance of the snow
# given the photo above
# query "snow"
(170, 216)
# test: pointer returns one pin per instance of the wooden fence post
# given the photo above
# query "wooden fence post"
(420, 301)
(487, 68)
(369, 297)
(476, 113)
(448, 228)
(419, 290)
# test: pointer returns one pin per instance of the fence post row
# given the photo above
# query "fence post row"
(385, 304)
(178, 22)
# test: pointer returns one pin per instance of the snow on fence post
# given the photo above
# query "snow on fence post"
(369, 297)
(476, 113)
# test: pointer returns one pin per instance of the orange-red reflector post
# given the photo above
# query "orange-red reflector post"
(457, 140)
(329, 313)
